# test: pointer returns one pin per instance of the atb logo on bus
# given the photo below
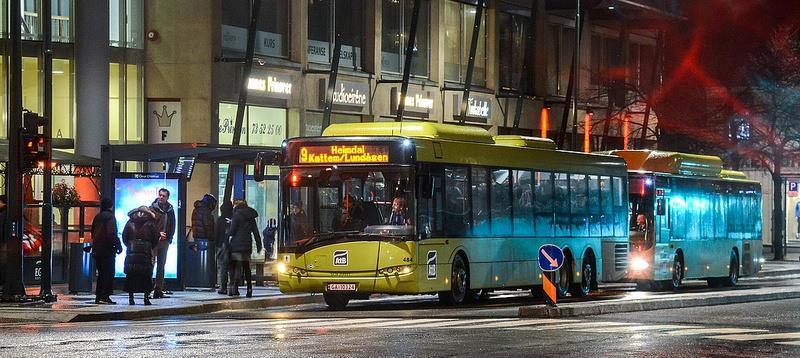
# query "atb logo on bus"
(340, 258)
(431, 265)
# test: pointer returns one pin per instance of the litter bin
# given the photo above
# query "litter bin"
(81, 268)
(199, 264)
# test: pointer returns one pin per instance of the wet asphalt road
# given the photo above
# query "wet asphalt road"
(418, 326)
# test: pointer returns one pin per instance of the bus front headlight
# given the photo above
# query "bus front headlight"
(639, 264)
(281, 267)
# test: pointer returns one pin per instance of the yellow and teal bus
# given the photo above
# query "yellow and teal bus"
(690, 219)
(426, 208)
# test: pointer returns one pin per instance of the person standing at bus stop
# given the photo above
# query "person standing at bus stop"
(165, 224)
(105, 247)
(242, 232)
(221, 251)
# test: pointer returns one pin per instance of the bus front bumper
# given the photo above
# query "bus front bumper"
(316, 282)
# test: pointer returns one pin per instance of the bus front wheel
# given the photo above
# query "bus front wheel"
(336, 301)
(459, 284)
(677, 272)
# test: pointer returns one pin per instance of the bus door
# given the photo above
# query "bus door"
(663, 251)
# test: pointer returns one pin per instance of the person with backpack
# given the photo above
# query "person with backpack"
(105, 247)
(140, 236)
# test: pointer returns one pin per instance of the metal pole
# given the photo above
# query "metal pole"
(337, 53)
(476, 29)
(412, 41)
(653, 75)
(527, 56)
(577, 78)
(46, 292)
(242, 104)
(14, 288)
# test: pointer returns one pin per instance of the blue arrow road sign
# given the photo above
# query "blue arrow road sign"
(550, 257)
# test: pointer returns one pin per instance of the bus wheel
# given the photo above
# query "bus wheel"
(677, 272)
(583, 288)
(336, 301)
(733, 271)
(564, 280)
(459, 284)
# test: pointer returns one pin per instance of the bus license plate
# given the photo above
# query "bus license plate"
(341, 287)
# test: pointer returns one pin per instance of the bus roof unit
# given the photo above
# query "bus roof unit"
(524, 142)
(672, 162)
(411, 129)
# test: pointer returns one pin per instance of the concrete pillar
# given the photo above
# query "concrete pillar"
(91, 76)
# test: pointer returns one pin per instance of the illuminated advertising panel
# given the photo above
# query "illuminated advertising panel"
(343, 154)
(142, 189)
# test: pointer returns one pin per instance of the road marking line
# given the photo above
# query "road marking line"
(380, 324)
(524, 322)
(334, 323)
(792, 343)
(458, 323)
(718, 331)
(574, 326)
(622, 329)
(267, 322)
(757, 337)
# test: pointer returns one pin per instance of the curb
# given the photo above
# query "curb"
(651, 304)
(247, 303)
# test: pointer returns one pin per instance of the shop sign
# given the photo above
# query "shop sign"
(267, 43)
(351, 94)
(263, 126)
(321, 52)
(163, 121)
(479, 108)
(332, 154)
(792, 185)
(417, 103)
(271, 85)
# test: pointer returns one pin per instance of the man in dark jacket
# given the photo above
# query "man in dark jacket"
(105, 247)
(165, 224)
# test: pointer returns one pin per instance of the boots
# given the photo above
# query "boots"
(130, 299)
(147, 299)
(249, 289)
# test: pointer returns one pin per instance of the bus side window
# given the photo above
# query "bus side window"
(607, 207)
(543, 204)
(429, 210)
(456, 201)
(480, 202)
(620, 207)
(501, 202)
(561, 201)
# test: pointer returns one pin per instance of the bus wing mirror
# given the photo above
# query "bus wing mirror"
(263, 159)
(660, 207)
(425, 186)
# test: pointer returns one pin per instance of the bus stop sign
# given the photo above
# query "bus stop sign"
(550, 258)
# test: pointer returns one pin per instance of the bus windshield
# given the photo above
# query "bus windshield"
(333, 203)
(640, 193)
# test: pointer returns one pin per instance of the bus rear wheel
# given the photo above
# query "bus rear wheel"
(336, 301)
(459, 284)
(584, 287)
(564, 279)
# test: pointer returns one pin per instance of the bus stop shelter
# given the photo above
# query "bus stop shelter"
(179, 160)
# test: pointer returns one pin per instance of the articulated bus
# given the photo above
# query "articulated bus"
(426, 208)
(690, 219)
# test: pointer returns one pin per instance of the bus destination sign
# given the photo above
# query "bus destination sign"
(343, 154)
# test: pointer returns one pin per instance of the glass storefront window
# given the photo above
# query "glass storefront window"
(272, 29)
(115, 128)
(396, 15)
(63, 93)
(322, 27)
(459, 19)
(134, 106)
(30, 83)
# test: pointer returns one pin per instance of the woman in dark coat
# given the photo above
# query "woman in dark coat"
(241, 234)
(140, 237)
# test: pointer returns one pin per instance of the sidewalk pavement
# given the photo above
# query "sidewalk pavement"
(81, 307)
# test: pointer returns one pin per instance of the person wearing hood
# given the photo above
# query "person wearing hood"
(241, 234)
(221, 248)
(203, 218)
(165, 224)
(105, 247)
(140, 237)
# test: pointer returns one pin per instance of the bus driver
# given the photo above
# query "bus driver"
(398, 215)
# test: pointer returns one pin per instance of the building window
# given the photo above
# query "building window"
(272, 28)
(396, 16)
(512, 30)
(641, 58)
(126, 103)
(604, 57)
(126, 23)
(323, 27)
(560, 59)
(32, 20)
(459, 20)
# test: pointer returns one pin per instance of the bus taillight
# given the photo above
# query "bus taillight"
(295, 179)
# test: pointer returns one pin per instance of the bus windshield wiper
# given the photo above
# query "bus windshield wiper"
(330, 235)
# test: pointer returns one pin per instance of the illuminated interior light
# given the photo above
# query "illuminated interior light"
(587, 132)
(545, 121)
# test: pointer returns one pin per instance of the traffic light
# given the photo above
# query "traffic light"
(34, 146)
